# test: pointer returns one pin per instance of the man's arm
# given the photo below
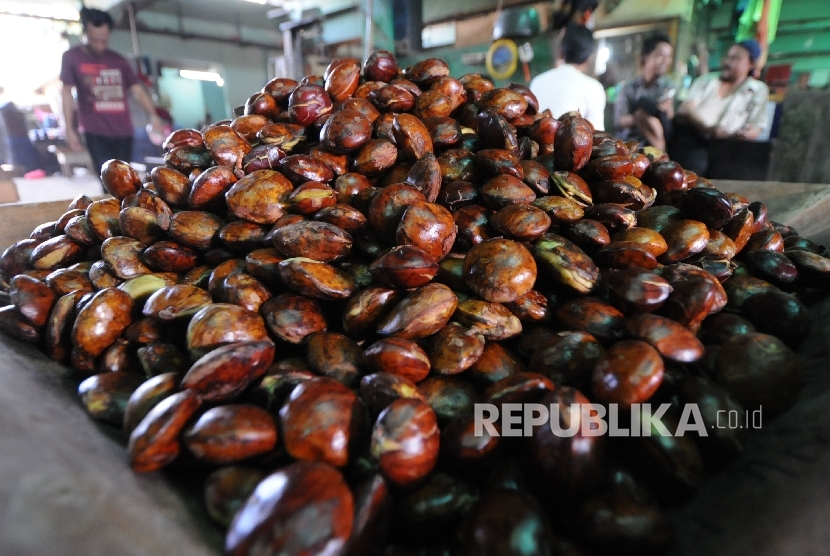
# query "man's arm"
(686, 115)
(687, 111)
(749, 133)
(666, 98)
(144, 100)
(624, 121)
(758, 119)
(68, 107)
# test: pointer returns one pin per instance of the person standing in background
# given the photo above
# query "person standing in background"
(728, 105)
(15, 146)
(101, 78)
(567, 88)
(645, 104)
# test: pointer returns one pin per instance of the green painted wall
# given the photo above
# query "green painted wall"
(803, 38)
(187, 98)
(542, 60)
(442, 9)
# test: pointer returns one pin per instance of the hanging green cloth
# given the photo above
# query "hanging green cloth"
(751, 17)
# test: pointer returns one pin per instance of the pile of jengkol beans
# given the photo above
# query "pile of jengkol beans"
(304, 306)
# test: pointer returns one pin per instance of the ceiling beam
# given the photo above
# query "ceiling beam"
(143, 28)
(46, 18)
(123, 17)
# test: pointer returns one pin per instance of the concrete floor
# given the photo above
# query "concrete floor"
(57, 188)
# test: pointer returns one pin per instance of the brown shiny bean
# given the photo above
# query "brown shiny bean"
(630, 372)
(270, 518)
(316, 279)
(565, 263)
(420, 314)
(684, 239)
(231, 433)
(220, 324)
(625, 254)
(33, 298)
(293, 317)
(500, 270)
(154, 442)
(651, 240)
(592, 316)
(436, 238)
(671, 340)
(635, 290)
(706, 205)
(561, 210)
(119, 178)
(101, 321)
(492, 320)
(495, 363)
(568, 464)
(567, 358)
(55, 253)
(398, 357)
(259, 197)
(379, 390)
(504, 190)
(405, 441)
(521, 222)
(572, 144)
(314, 240)
(759, 371)
(405, 266)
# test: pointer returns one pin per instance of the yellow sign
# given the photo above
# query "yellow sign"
(502, 59)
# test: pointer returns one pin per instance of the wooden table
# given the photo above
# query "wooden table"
(804, 206)
(66, 488)
(774, 500)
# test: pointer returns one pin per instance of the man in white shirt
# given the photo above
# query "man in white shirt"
(728, 105)
(567, 88)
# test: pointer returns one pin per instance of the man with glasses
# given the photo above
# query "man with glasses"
(730, 104)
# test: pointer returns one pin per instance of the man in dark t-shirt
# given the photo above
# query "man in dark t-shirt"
(645, 104)
(101, 78)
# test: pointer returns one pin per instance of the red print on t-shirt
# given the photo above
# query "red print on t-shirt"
(106, 86)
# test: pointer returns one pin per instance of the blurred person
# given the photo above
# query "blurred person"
(645, 104)
(101, 78)
(567, 88)
(15, 146)
(728, 105)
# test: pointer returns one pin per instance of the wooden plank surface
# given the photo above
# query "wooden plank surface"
(18, 221)
(804, 206)
(66, 487)
(774, 500)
